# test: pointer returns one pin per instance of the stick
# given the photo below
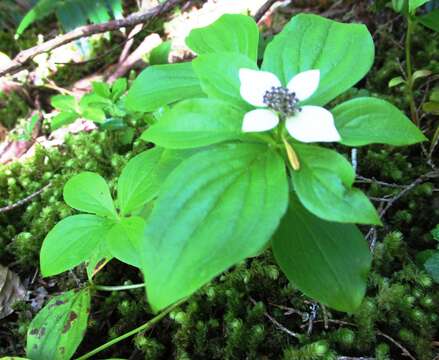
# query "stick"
(25, 56)
(277, 323)
(24, 201)
(264, 8)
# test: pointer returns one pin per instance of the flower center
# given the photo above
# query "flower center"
(282, 100)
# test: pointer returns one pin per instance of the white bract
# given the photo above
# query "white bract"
(264, 90)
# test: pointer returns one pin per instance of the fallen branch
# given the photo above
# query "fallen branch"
(408, 188)
(405, 352)
(25, 56)
(25, 200)
(264, 8)
(277, 323)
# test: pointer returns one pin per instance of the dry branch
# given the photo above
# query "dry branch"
(25, 56)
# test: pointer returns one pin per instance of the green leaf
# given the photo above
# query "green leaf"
(196, 123)
(97, 11)
(94, 100)
(42, 9)
(62, 119)
(89, 192)
(160, 85)
(396, 81)
(414, 4)
(431, 107)
(230, 33)
(430, 20)
(434, 95)
(432, 267)
(102, 89)
(143, 175)
(400, 6)
(435, 233)
(327, 261)
(71, 13)
(94, 114)
(160, 54)
(363, 121)
(58, 329)
(71, 241)
(343, 53)
(116, 8)
(118, 88)
(215, 209)
(64, 102)
(124, 240)
(420, 74)
(219, 76)
(324, 186)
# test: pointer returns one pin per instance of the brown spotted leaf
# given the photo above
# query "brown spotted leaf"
(11, 291)
(57, 330)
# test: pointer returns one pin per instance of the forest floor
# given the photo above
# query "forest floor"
(251, 311)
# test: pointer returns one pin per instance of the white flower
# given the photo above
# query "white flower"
(306, 123)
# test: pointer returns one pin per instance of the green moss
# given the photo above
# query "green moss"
(228, 318)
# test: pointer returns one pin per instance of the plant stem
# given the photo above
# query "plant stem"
(409, 69)
(119, 287)
(143, 327)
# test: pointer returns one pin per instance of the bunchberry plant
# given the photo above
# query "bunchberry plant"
(104, 105)
(233, 171)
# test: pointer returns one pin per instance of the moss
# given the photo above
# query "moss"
(227, 318)
(12, 108)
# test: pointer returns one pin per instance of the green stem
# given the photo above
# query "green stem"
(118, 288)
(409, 69)
(143, 327)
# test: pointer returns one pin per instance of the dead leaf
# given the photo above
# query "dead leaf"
(11, 291)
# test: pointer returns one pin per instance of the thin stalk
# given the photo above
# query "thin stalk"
(118, 288)
(409, 70)
(143, 327)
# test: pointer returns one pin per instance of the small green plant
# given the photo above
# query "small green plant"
(409, 7)
(105, 106)
(25, 131)
(234, 170)
(431, 20)
(72, 13)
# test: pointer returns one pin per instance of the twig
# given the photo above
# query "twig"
(263, 9)
(325, 317)
(25, 200)
(405, 352)
(372, 238)
(129, 43)
(314, 308)
(25, 56)
(362, 179)
(407, 189)
(354, 160)
(149, 43)
(277, 323)
(290, 311)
